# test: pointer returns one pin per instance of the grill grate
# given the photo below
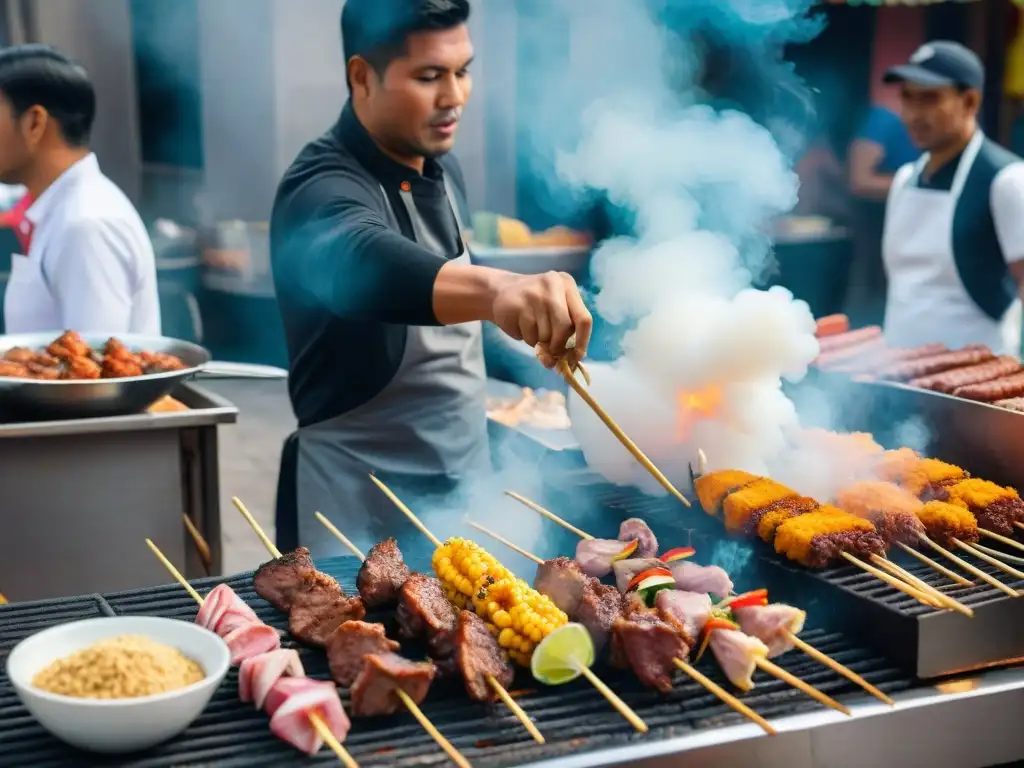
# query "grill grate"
(574, 718)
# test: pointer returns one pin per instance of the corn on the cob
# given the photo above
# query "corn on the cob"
(518, 615)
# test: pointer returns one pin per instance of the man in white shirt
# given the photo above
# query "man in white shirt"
(89, 265)
(953, 245)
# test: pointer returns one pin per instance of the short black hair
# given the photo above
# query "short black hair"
(37, 75)
(377, 30)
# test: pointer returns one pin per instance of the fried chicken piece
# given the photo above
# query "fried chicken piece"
(11, 370)
(70, 344)
(114, 368)
(82, 368)
(45, 372)
(161, 362)
(25, 356)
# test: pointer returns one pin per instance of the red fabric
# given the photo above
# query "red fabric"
(16, 220)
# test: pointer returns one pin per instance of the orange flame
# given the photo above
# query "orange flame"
(696, 406)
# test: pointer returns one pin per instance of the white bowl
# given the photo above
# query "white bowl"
(115, 726)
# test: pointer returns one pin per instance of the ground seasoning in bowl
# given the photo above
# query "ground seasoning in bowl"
(125, 667)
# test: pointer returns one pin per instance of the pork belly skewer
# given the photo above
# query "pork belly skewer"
(467, 623)
(709, 685)
(315, 720)
(714, 579)
(381, 661)
(496, 588)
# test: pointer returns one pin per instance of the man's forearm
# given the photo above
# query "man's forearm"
(464, 293)
(872, 186)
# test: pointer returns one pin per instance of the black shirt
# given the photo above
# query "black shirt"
(347, 283)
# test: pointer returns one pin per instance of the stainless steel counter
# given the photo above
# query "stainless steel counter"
(81, 496)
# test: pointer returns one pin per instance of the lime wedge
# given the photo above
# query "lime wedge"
(561, 655)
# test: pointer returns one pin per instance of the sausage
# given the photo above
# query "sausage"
(832, 325)
(948, 381)
(860, 354)
(1013, 404)
(848, 339)
(990, 391)
(889, 357)
(907, 370)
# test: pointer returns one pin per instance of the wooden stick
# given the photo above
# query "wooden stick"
(314, 719)
(621, 707)
(411, 705)
(502, 540)
(1019, 525)
(3, 600)
(999, 555)
(952, 575)
(724, 695)
(602, 688)
(630, 446)
(498, 688)
(841, 669)
(201, 546)
(796, 682)
(892, 581)
(990, 560)
(702, 462)
(942, 601)
(990, 580)
(549, 515)
(1001, 539)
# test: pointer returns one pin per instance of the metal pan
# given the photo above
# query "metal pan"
(34, 400)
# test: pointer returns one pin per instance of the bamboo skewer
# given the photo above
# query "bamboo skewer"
(849, 674)
(201, 546)
(623, 438)
(1002, 555)
(835, 666)
(774, 669)
(722, 694)
(892, 581)
(990, 560)
(314, 719)
(499, 689)
(990, 580)
(549, 515)
(1001, 539)
(621, 706)
(1019, 525)
(952, 575)
(411, 705)
(944, 601)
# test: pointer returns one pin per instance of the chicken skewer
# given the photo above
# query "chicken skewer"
(640, 456)
(495, 586)
(407, 701)
(315, 720)
(499, 689)
(795, 642)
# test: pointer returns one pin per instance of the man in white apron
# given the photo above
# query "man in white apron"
(380, 305)
(953, 244)
(86, 261)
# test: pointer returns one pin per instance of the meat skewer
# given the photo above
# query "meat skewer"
(498, 688)
(494, 593)
(723, 695)
(406, 700)
(623, 438)
(321, 727)
(834, 665)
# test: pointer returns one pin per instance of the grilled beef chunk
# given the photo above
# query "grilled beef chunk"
(278, 580)
(635, 528)
(382, 575)
(598, 610)
(320, 609)
(479, 656)
(562, 580)
(373, 692)
(349, 643)
(424, 612)
(650, 645)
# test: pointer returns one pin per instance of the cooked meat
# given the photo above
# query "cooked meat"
(44, 371)
(891, 509)
(321, 608)
(68, 345)
(373, 692)
(928, 366)
(563, 581)
(25, 356)
(650, 645)
(635, 528)
(596, 557)
(479, 656)
(598, 610)
(774, 625)
(82, 368)
(120, 369)
(349, 643)
(11, 370)
(382, 575)
(687, 611)
(950, 381)
(277, 581)
(625, 570)
(709, 579)
(424, 612)
(737, 655)
(159, 362)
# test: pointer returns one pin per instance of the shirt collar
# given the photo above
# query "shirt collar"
(87, 166)
(350, 132)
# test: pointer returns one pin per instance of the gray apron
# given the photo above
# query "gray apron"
(427, 423)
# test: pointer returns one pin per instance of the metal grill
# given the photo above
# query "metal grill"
(928, 642)
(574, 718)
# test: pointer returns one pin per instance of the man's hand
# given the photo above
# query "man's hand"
(545, 311)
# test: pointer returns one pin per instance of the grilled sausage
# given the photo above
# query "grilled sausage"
(889, 357)
(831, 325)
(990, 391)
(848, 339)
(914, 369)
(1013, 404)
(948, 381)
(860, 354)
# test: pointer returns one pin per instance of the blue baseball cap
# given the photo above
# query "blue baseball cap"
(940, 64)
